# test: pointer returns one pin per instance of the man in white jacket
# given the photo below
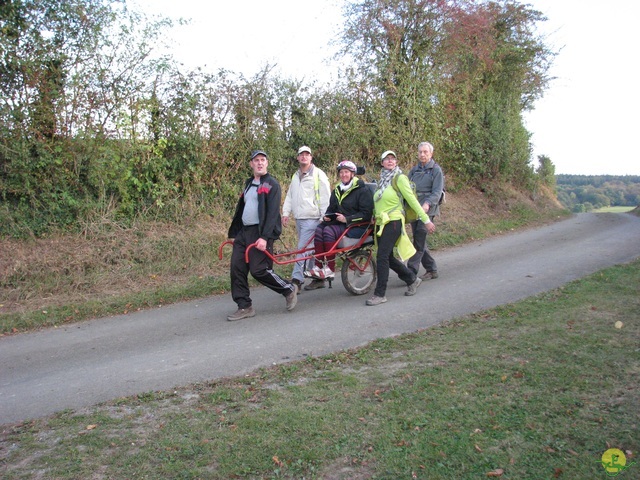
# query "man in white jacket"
(307, 199)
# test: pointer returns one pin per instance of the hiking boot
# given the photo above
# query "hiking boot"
(298, 284)
(430, 275)
(242, 313)
(413, 287)
(373, 301)
(292, 298)
(315, 284)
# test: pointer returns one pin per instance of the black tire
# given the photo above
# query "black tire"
(359, 272)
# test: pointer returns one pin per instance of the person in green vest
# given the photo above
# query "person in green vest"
(393, 190)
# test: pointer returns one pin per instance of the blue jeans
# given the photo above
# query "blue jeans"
(306, 229)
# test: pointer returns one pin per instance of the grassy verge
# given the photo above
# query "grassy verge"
(64, 280)
(537, 389)
(195, 287)
(457, 231)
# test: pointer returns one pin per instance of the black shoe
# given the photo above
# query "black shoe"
(298, 284)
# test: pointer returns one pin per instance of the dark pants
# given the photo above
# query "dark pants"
(385, 259)
(422, 254)
(260, 266)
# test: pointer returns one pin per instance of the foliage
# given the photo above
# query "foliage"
(72, 77)
(460, 73)
(582, 193)
(546, 171)
(95, 122)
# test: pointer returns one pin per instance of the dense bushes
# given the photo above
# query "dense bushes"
(92, 124)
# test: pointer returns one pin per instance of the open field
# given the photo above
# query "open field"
(616, 209)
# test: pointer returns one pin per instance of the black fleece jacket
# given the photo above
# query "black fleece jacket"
(269, 197)
(356, 204)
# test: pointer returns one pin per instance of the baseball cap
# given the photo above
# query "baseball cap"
(255, 153)
(388, 152)
(349, 165)
(304, 148)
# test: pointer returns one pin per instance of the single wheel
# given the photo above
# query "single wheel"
(359, 272)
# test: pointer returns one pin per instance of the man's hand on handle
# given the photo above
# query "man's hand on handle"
(261, 244)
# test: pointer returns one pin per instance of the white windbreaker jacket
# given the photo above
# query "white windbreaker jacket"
(308, 196)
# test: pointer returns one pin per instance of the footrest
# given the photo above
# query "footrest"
(308, 274)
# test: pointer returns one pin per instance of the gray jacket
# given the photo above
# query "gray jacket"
(429, 181)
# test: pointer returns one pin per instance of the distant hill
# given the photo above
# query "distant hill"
(581, 193)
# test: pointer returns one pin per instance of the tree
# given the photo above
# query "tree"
(396, 47)
(458, 72)
(72, 73)
(92, 120)
(42, 42)
(546, 171)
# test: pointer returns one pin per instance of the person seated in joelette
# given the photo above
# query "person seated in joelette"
(350, 202)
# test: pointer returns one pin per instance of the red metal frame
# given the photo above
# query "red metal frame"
(334, 250)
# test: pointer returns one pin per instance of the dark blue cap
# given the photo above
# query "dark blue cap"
(255, 153)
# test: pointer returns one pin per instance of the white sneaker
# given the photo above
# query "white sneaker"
(315, 272)
(325, 272)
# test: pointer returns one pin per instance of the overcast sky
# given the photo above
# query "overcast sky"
(585, 123)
